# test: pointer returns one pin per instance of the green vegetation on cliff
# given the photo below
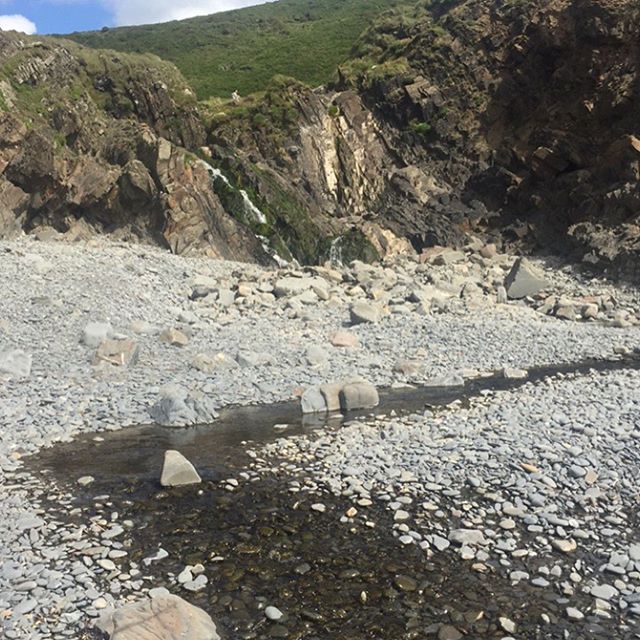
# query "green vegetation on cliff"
(242, 50)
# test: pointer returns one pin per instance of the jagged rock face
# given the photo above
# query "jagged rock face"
(517, 119)
(103, 152)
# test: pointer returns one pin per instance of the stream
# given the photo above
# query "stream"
(261, 544)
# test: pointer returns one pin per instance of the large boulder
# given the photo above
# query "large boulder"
(524, 280)
(165, 617)
(177, 471)
(178, 407)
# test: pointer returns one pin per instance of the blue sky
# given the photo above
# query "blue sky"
(65, 16)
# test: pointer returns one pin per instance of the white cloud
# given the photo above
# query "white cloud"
(144, 12)
(17, 23)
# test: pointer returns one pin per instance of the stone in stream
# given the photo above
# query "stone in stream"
(363, 312)
(177, 471)
(358, 395)
(466, 536)
(176, 406)
(16, 363)
(120, 353)
(447, 632)
(574, 614)
(273, 613)
(312, 401)
(510, 373)
(331, 394)
(604, 591)
(524, 280)
(165, 617)
(565, 546)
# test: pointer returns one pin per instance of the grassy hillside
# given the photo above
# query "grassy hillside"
(243, 49)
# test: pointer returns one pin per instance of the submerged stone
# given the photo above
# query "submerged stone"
(165, 617)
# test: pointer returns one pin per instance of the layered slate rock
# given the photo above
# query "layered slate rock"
(165, 617)
(121, 164)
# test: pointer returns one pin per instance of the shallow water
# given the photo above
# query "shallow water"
(263, 545)
(137, 452)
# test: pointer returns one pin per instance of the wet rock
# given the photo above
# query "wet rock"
(273, 613)
(120, 353)
(448, 632)
(176, 406)
(358, 395)
(165, 617)
(524, 280)
(574, 614)
(566, 546)
(178, 471)
(312, 401)
(405, 583)
(15, 363)
(466, 537)
(604, 591)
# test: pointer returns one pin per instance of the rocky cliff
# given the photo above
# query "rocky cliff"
(514, 119)
(96, 142)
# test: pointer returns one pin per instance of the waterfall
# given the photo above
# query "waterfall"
(214, 173)
(335, 251)
(251, 212)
